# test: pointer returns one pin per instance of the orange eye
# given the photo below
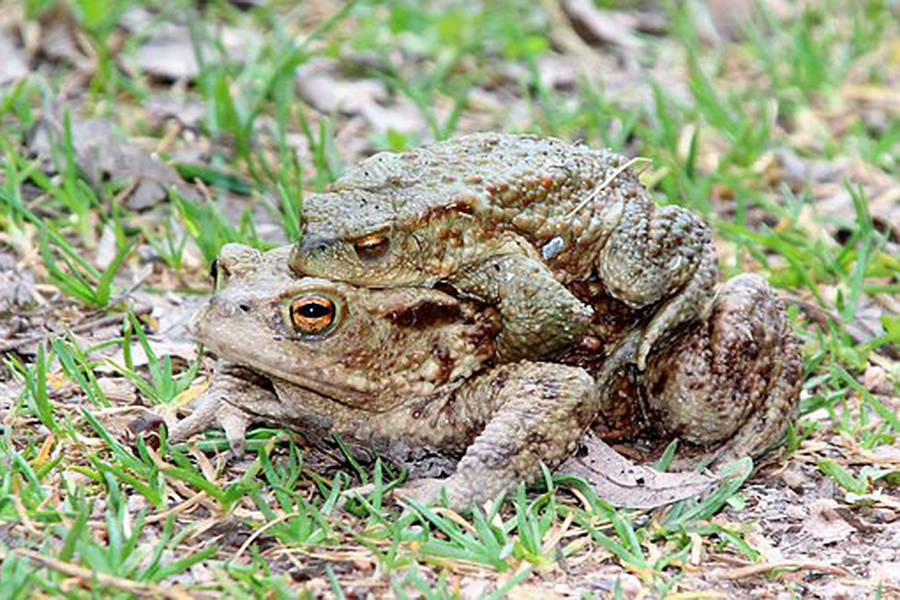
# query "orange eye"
(312, 314)
(372, 246)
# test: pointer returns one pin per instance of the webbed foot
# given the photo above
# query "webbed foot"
(230, 384)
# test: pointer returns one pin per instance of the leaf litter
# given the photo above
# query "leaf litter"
(808, 533)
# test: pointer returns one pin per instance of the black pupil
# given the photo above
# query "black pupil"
(371, 248)
(314, 310)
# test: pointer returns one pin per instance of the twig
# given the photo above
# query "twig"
(260, 531)
(177, 509)
(606, 182)
(88, 576)
(80, 328)
(753, 570)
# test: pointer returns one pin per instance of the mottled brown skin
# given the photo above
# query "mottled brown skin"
(728, 384)
(412, 373)
(407, 372)
(742, 365)
(513, 221)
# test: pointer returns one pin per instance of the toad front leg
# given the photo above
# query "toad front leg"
(230, 401)
(660, 254)
(540, 316)
(542, 410)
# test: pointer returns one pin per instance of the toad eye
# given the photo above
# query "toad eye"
(372, 246)
(313, 314)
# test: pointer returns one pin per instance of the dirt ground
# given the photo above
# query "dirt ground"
(125, 126)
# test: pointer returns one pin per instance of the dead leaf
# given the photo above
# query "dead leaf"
(118, 389)
(839, 590)
(605, 578)
(188, 111)
(525, 591)
(169, 52)
(799, 170)
(825, 523)
(476, 588)
(13, 66)
(624, 484)
(598, 26)
(172, 337)
(877, 380)
(765, 547)
(100, 151)
(321, 83)
(16, 285)
(885, 455)
(106, 248)
(558, 71)
(9, 393)
(59, 39)
(881, 97)
(794, 477)
(169, 55)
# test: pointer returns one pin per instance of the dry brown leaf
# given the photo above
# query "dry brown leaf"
(58, 38)
(558, 71)
(526, 591)
(625, 484)
(168, 52)
(169, 55)
(187, 110)
(825, 523)
(9, 393)
(321, 83)
(599, 26)
(476, 588)
(16, 285)
(13, 66)
(100, 150)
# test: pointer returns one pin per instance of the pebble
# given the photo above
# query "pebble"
(797, 513)
(794, 478)
(552, 248)
(882, 515)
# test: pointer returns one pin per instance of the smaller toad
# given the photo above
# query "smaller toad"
(513, 221)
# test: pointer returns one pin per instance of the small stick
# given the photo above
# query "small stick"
(80, 328)
(606, 182)
(86, 576)
(753, 570)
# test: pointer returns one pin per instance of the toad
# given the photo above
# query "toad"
(413, 374)
(513, 221)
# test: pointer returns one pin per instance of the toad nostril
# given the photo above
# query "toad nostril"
(244, 307)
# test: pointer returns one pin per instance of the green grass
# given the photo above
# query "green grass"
(126, 517)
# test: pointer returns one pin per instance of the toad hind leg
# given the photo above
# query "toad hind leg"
(734, 381)
(540, 316)
(543, 410)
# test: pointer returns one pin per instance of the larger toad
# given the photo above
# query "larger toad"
(513, 221)
(412, 373)
(408, 372)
